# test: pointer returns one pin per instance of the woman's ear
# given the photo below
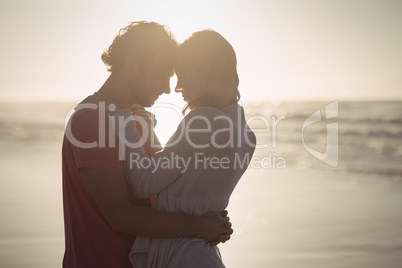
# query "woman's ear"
(210, 73)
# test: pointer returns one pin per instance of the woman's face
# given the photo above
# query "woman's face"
(189, 80)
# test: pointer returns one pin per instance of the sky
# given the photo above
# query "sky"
(286, 50)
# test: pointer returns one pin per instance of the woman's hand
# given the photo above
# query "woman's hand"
(150, 122)
(139, 110)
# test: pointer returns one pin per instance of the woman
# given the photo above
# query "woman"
(201, 164)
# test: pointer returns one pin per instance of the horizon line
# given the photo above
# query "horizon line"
(246, 101)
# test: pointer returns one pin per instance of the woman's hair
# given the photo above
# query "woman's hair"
(142, 40)
(209, 50)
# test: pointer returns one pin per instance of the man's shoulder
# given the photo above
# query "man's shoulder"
(85, 122)
(87, 112)
(82, 114)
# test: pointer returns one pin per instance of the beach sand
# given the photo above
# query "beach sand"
(310, 218)
(282, 218)
(31, 213)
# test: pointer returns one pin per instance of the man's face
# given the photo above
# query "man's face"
(152, 81)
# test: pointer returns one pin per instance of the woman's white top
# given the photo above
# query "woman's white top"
(195, 173)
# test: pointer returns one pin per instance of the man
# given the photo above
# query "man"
(101, 216)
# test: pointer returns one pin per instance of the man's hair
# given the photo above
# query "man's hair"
(209, 49)
(142, 40)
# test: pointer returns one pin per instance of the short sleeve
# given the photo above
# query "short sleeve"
(93, 143)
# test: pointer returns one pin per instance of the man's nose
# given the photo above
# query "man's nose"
(166, 89)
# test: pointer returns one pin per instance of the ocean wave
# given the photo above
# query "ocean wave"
(31, 131)
(348, 120)
(396, 121)
(380, 133)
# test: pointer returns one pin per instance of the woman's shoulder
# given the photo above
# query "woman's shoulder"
(205, 110)
(205, 113)
(203, 116)
(215, 118)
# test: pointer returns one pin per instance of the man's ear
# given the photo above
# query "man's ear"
(131, 65)
(206, 70)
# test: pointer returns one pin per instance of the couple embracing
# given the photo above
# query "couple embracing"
(121, 213)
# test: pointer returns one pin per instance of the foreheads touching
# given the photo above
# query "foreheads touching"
(145, 54)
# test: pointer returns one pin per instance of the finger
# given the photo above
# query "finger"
(224, 238)
(142, 114)
(137, 110)
(228, 225)
(137, 106)
(224, 213)
(228, 231)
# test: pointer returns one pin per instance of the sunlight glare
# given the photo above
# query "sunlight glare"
(168, 112)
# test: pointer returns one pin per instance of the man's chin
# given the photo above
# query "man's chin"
(147, 103)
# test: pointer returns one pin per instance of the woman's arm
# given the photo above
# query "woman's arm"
(153, 143)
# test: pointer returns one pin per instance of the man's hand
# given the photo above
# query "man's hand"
(217, 227)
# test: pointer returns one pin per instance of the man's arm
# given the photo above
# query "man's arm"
(109, 191)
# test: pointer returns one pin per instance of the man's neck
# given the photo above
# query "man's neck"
(114, 91)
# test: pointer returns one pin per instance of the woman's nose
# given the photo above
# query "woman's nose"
(178, 88)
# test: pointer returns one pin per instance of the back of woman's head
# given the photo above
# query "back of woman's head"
(209, 50)
(141, 40)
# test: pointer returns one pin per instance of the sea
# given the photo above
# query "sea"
(324, 187)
